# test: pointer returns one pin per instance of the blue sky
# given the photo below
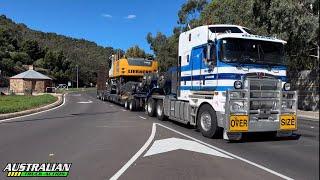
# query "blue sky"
(116, 23)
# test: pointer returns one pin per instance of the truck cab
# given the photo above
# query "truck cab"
(232, 81)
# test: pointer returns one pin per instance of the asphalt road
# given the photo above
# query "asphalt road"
(103, 140)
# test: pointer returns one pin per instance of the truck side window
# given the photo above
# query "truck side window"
(204, 53)
(179, 61)
(188, 58)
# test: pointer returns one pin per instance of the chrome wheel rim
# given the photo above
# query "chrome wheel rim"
(149, 107)
(205, 121)
(159, 110)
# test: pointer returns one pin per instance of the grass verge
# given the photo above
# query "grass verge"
(76, 90)
(15, 103)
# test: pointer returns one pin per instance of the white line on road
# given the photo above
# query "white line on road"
(64, 100)
(142, 117)
(136, 156)
(124, 110)
(311, 127)
(145, 146)
(230, 154)
(111, 105)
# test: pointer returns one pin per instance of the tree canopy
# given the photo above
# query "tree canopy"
(52, 54)
(293, 21)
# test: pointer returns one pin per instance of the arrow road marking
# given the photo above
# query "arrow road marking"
(171, 144)
(85, 102)
(211, 147)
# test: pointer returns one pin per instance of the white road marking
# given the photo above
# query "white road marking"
(51, 154)
(85, 102)
(311, 127)
(136, 156)
(76, 95)
(230, 154)
(111, 105)
(171, 144)
(64, 100)
(124, 110)
(152, 135)
(142, 117)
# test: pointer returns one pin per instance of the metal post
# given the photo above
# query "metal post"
(77, 77)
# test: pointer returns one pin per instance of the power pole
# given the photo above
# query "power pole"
(77, 76)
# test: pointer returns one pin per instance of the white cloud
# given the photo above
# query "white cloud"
(106, 15)
(131, 16)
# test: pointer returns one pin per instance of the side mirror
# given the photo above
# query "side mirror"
(210, 55)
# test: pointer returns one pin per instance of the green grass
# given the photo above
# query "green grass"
(76, 90)
(15, 103)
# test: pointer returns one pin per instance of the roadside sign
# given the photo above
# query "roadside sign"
(69, 83)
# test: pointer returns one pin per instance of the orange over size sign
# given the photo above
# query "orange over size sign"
(238, 123)
(288, 122)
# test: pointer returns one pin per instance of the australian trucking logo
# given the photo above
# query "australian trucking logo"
(37, 169)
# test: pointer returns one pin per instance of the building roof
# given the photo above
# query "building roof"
(30, 74)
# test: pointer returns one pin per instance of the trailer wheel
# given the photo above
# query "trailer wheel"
(207, 121)
(159, 110)
(151, 106)
(132, 105)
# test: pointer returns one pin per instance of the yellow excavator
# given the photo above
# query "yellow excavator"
(126, 79)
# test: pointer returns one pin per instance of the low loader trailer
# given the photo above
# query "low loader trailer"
(126, 85)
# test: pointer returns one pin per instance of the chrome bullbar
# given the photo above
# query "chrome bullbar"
(260, 104)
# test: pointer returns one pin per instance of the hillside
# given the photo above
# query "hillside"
(52, 54)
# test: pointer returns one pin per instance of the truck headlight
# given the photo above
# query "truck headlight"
(238, 106)
(237, 84)
(287, 86)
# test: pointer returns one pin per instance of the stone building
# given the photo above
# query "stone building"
(30, 81)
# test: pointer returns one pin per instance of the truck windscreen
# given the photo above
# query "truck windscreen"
(247, 51)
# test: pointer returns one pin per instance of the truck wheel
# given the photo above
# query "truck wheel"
(151, 106)
(126, 104)
(132, 105)
(207, 121)
(159, 110)
(137, 104)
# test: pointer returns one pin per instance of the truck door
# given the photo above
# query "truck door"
(209, 70)
(196, 65)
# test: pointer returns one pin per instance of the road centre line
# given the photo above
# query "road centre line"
(152, 135)
(64, 100)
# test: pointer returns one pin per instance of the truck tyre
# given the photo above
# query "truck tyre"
(207, 121)
(151, 106)
(126, 104)
(137, 104)
(159, 110)
(132, 105)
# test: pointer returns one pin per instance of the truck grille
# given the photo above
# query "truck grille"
(264, 98)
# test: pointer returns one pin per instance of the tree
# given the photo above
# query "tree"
(135, 51)
(165, 49)
(31, 47)
(22, 57)
(190, 11)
